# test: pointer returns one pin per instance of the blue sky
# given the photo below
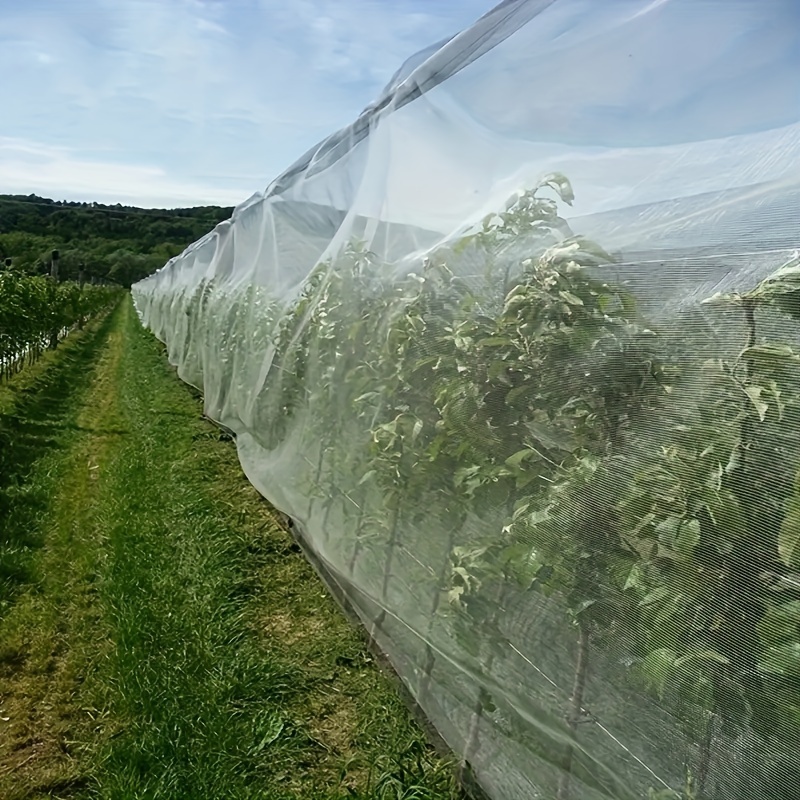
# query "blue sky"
(184, 102)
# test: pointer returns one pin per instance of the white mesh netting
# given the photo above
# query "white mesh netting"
(548, 446)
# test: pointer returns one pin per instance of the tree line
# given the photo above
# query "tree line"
(107, 243)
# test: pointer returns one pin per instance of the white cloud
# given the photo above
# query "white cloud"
(214, 94)
(207, 26)
(35, 168)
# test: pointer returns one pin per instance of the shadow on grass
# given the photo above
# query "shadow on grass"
(38, 423)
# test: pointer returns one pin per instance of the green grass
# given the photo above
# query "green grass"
(38, 420)
(184, 645)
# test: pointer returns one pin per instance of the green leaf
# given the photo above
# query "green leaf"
(583, 606)
(495, 341)
(667, 530)
(776, 393)
(693, 689)
(454, 595)
(754, 393)
(789, 537)
(519, 392)
(628, 302)
(781, 624)
(367, 476)
(657, 667)
(550, 436)
(782, 289)
(773, 354)
(561, 185)
(274, 729)
(635, 579)
(665, 623)
(688, 538)
(587, 247)
(783, 660)
(515, 461)
(570, 298)
(727, 515)
(656, 596)
(497, 370)
(703, 655)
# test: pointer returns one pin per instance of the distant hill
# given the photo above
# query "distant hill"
(117, 243)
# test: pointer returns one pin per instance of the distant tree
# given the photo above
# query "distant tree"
(116, 243)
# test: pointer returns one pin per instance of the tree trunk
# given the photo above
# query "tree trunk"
(430, 656)
(704, 757)
(317, 478)
(351, 566)
(575, 711)
(472, 742)
(387, 570)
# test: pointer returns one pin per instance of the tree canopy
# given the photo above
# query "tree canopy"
(115, 243)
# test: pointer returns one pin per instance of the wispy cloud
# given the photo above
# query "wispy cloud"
(41, 169)
(215, 97)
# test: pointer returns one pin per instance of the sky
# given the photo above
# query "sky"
(594, 90)
(168, 103)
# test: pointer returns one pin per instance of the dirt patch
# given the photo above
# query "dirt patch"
(335, 724)
(37, 724)
(291, 629)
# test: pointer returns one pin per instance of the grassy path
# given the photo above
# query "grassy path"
(160, 634)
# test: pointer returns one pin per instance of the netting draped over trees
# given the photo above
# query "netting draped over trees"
(519, 350)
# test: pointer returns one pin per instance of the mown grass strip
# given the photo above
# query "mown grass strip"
(234, 674)
(177, 644)
(38, 421)
(52, 634)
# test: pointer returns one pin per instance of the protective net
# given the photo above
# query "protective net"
(547, 445)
